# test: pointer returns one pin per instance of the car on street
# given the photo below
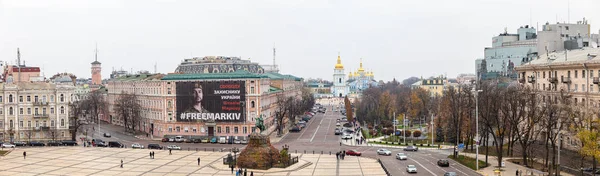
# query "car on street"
(353, 153)
(411, 169)
(115, 144)
(244, 141)
(35, 143)
(154, 146)
(401, 156)
(443, 163)
(237, 141)
(204, 140)
(347, 136)
(338, 132)
(69, 143)
(165, 140)
(179, 139)
(173, 147)
(301, 125)
(295, 129)
(338, 124)
(384, 152)
(20, 143)
(107, 135)
(8, 145)
(137, 146)
(99, 143)
(450, 174)
(213, 140)
(54, 143)
(222, 140)
(411, 148)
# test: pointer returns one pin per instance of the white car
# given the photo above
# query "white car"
(8, 145)
(136, 145)
(401, 156)
(384, 152)
(411, 169)
(347, 136)
(174, 147)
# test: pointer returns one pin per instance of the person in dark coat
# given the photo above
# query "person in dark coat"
(121, 163)
(337, 155)
(245, 172)
(251, 173)
(198, 161)
(24, 154)
(150, 155)
(169, 151)
(231, 169)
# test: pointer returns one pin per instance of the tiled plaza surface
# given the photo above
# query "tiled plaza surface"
(107, 161)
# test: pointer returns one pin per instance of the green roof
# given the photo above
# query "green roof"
(280, 76)
(274, 89)
(138, 77)
(239, 74)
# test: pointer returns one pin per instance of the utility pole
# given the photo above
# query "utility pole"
(559, 146)
(432, 129)
(394, 122)
(476, 93)
(404, 128)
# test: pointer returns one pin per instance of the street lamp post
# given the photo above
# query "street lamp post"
(476, 93)
(235, 150)
(404, 128)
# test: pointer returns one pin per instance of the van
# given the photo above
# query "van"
(154, 146)
(115, 144)
(179, 139)
(222, 140)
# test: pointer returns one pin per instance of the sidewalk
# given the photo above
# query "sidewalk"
(509, 167)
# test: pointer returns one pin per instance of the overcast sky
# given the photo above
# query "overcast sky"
(396, 38)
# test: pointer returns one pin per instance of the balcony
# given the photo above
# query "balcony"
(596, 80)
(45, 128)
(531, 79)
(521, 80)
(553, 80)
(37, 103)
(566, 80)
(41, 116)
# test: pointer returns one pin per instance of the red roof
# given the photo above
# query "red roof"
(26, 69)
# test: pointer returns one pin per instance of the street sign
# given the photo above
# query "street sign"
(461, 146)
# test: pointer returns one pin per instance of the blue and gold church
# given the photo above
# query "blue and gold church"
(353, 84)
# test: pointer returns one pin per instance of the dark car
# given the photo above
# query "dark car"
(411, 148)
(154, 146)
(115, 144)
(295, 129)
(69, 143)
(99, 143)
(165, 140)
(55, 143)
(353, 153)
(35, 143)
(19, 143)
(443, 163)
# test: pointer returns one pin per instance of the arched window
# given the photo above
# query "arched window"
(62, 110)
(62, 122)
(62, 98)
(10, 98)
(51, 98)
(252, 104)
(170, 104)
(340, 80)
(10, 111)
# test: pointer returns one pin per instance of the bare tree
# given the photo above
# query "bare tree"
(525, 125)
(95, 103)
(553, 122)
(127, 106)
(29, 133)
(280, 112)
(76, 116)
(52, 133)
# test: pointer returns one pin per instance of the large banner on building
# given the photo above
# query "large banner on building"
(222, 101)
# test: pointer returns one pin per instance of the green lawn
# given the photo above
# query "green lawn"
(424, 145)
(468, 161)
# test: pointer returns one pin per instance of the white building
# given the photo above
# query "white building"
(340, 89)
(506, 49)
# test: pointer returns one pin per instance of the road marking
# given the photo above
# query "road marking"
(327, 132)
(458, 170)
(422, 166)
(313, 137)
(307, 125)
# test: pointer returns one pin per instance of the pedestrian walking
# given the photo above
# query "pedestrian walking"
(121, 163)
(170, 152)
(198, 161)
(231, 168)
(337, 155)
(251, 173)
(245, 172)
(153, 154)
(24, 154)
(517, 172)
(150, 155)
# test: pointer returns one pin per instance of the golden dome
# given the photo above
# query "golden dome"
(339, 63)
(361, 69)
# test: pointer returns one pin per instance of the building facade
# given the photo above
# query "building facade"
(339, 88)
(435, 85)
(204, 104)
(360, 80)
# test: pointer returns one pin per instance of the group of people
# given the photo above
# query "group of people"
(241, 172)
(152, 155)
(340, 155)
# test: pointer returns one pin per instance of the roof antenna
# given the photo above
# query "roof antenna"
(155, 67)
(19, 63)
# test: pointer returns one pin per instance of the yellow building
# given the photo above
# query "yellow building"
(435, 86)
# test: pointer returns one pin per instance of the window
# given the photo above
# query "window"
(170, 104)
(170, 117)
(169, 91)
(43, 110)
(591, 76)
(10, 111)
(44, 98)
(575, 73)
(11, 123)
(28, 123)
(1, 110)
(575, 88)
(52, 123)
(37, 123)
(62, 96)
(235, 130)
(51, 98)
(51, 110)
(0, 99)
(340, 80)
(194, 130)
(62, 122)
(218, 129)
(245, 130)
(21, 124)
(28, 98)
(35, 111)
(20, 110)
(62, 110)
(568, 74)
(28, 110)
(227, 130)
(177, 129)
(10, 99)
(35, 98)
(582, 73)
(170, 129)
(544, 86)
(185, 129)
(252, 104)
(543, 74)
(582, 87)
(63, 134)
(20, 98)
(252, 90)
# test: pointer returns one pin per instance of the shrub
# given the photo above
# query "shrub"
(417, 133)
(407, 133)
(421, 145)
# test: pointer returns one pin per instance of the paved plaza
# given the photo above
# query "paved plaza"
(107, 161)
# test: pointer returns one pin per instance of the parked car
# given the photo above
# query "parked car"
(295, 129)
(244, 141)
(213, 140)
(19, 143)
(411, 169)
(204, 140)
(54, 143)
(222, 140)
(69, 143)
(107, 135)
(338, 124)
(302, 125)
(338, 132)
(347, 136)
(154, 146)
(99, 143)
(173, 147)
(115, 144)
(384, 152)
(401, 156)
(353, 153)
(411, 148)
(196, 140)
(179, 139)
(137, 146)
(8, 145)
(443, 163)
(189, 140)
(35, 143)
(237, 141)
(450, 174)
